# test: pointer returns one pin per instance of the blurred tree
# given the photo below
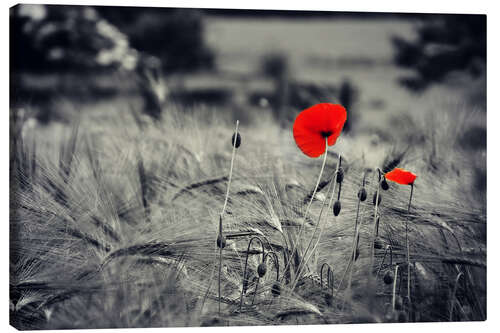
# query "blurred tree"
(48, 38)
(444, 44)
(174, 35)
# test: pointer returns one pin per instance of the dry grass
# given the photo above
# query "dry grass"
(115, 225)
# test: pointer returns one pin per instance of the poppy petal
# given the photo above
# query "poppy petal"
(314, 124)
(401, 176)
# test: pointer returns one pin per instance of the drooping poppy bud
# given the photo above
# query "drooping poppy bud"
(276, 289)
(384, 185)
(236, 143)
(375, 198)
(362, 194)
(315, 125)
(221, 241)
(340, 175)
(336, 208)
(262, 269)
(389, 277)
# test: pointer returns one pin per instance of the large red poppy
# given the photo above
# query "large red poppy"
(316, 123)
(401, 176)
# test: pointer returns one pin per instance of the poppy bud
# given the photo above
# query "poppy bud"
(398, 304)
(221, 241)
(262, 269)
(362, 194)
(276, 289)
(375, 198)
(384, 185)
(389, 277)
(236, 143)
(378, 243)
(340, 175)
(336, 208)
(357, 255)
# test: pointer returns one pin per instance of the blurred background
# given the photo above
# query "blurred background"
(252, 64)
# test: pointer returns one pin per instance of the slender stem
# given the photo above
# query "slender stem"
(394, 288)
(231, 168)
(243, 287)
(374, 226)
(220, 220)
(256, 288)
(383, 260)
(306, 258)
(308, 205)
(408, 255)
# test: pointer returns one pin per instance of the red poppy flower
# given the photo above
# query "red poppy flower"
(401, 176)
(316, 123)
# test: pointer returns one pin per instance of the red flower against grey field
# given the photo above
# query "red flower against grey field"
(313, 125)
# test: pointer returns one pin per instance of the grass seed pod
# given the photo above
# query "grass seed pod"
(221, 241)
(276, 289)
(389, 277)
(237, 143)
(362, 194)
(262, 269)
(375, 198)
(336, 208)
(340, 175)
(384, 185)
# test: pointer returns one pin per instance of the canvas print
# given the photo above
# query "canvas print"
(176, 167)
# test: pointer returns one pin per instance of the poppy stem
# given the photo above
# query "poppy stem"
(305, 255)
(294, 248)
(394, 288)
(231, 167)
(408, 255)
(220, 235)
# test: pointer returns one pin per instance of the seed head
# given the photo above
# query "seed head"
(262, 269)
(336, 208)
(236, 143)
(221, 241)
(362, 194)
(276, 289)
(389, 277)
(384, 185)
(340, 175)
(375, 198)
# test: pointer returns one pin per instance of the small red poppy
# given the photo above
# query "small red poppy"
(316, 123)
(401, 176)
